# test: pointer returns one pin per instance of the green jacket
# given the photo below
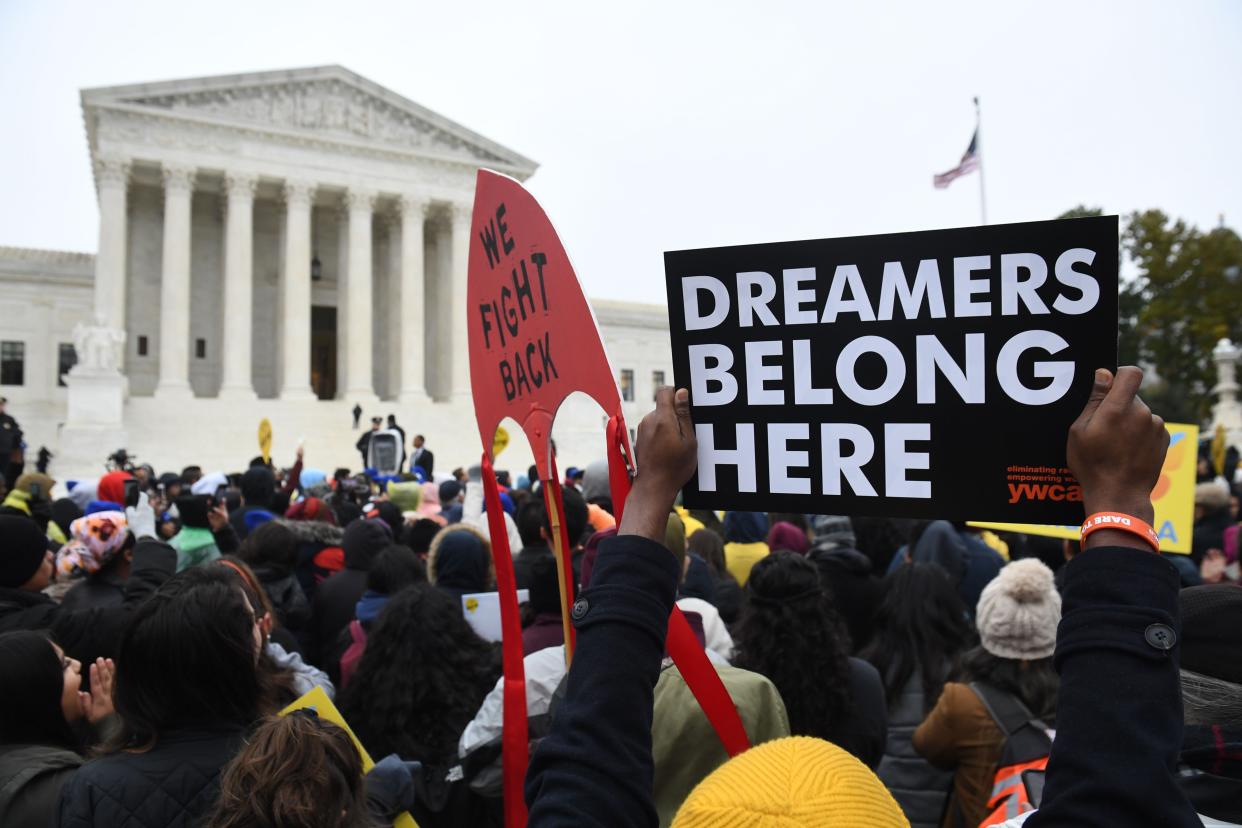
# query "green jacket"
(31, 777)
(684, 745)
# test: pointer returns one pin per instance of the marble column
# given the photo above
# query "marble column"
(175, 286)
(235, 345)
(458, 274)
(112, 178)
(357, 293)
(412, 385)
(295, 288)
(342, 297)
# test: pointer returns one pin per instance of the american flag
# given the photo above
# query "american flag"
(969, 163)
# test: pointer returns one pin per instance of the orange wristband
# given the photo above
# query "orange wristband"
(1123, 523)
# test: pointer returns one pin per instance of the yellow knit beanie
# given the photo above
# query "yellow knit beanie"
(789, 783)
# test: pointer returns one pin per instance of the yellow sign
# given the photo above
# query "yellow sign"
(318, 701)
(1173, 497)
(499, 441)
(265, 439)
(1218, 450)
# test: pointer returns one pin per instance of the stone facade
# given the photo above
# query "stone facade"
(281, 245)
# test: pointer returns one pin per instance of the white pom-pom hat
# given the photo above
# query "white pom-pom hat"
(1019, 611)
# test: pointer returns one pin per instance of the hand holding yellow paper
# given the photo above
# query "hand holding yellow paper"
(265, 439)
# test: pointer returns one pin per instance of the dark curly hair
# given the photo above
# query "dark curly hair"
(790, 633)
(421, 680)
(920, 625)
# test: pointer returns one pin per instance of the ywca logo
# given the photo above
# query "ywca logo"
(1044, 491)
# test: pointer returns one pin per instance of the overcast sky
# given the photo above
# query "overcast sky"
(668, 125)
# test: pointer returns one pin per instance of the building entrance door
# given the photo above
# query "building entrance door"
(323, 351)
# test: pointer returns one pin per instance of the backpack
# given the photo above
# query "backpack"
(353, 654)
(1018, 784)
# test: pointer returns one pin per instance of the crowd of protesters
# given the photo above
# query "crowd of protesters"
(153, 626)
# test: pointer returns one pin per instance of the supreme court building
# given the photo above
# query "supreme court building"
(279, 244)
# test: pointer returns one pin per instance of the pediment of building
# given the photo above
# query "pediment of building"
(325, 102)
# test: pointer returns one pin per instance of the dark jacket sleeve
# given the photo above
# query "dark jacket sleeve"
(1119, 710)
(595, 768)
(226, 539)
(90, 633)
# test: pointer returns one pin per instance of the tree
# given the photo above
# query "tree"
(1188, 294)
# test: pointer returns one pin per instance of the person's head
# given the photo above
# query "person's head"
(920, 626)
(25, 562)
(807, 782)
(460, 560)
(362, 541)
(545, 590)
(832, 532)
(272, 546)
(789, 537)
(376, 423)
(708, 546)
(189, 656)
(1017, 618)
(450, 492)
(258, 486)
(311, 508)
(421, 679)
(191, 474)
(394, 568)
(419, 535)
(675, 539)
(392, 420)
(576, 515)
(532, 523)
(745, 527)
(100, 544)
(1211, 498)
(418, 441)
(390, 513)
(112, 486)
(295, 771)
(790, 633)
(1211, 672)
(39, 685)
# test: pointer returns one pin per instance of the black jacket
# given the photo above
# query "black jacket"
(595, 768)
(1119, 712)
(425, 461)
(31, 778)
(1211, 775)
(332, 610)
(90, 633)
(95, 591)
(856, 591)
(172, 785)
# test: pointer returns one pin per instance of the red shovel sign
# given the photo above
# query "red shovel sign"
(533, 342)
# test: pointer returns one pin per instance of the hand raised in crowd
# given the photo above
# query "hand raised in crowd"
(1116, 450)
(218, 517)
(667, 454)
(97, 704)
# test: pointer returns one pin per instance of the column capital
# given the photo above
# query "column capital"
(112, 170)
(360, 199)
(417, 206)
(179, 178)
(240, 185)
(299, 192)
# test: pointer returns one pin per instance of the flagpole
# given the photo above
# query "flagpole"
(983, 200)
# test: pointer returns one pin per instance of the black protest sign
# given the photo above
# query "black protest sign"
(931, 374)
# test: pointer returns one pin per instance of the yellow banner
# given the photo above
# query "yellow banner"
(500, 441)
(318, 701)
(1173, 497)
(265, 439)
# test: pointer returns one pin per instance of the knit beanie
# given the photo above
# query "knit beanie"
(1212, 631)
(795, 781)
(1018, 612)
(32, 482)
(23, 548)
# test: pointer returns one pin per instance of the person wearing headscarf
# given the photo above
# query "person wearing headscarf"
(99, 554)
(460, 561)
(745, 533)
